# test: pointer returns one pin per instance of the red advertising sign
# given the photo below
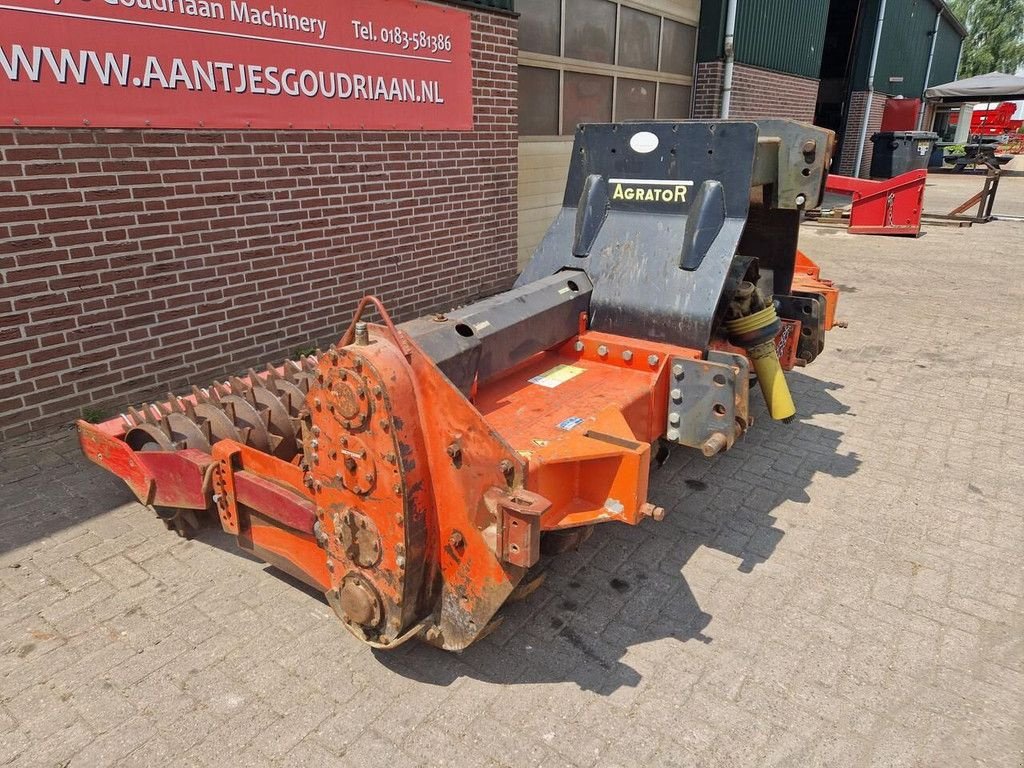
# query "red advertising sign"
(375, 64)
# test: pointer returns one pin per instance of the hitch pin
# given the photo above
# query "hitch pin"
(353, 454)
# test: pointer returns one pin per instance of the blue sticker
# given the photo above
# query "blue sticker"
(570, 423)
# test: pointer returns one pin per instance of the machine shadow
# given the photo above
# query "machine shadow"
(625, 586)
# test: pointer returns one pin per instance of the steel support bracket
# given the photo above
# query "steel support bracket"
(809, 309)
(519, 514)
(707, 404)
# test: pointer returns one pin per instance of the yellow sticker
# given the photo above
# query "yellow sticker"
(557, 375)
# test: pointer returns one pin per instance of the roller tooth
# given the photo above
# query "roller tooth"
(128, 422)
(256, 380)
(137, 417)
(174, 402)
(238, 387)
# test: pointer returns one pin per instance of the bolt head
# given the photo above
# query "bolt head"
(627, 355)
(673, 419)
(602, 351)
(672, 434)
(677, 371)
(677, 395)
(652, 359)
(579, 346)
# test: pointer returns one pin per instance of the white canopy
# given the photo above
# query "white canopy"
(995, 86)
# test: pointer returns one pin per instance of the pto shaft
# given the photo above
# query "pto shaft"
(756, 333)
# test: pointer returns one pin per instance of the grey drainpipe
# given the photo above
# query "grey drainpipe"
(928, 70)
(871, 89)
(730, 55)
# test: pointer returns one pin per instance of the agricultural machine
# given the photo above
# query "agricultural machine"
(415, 473)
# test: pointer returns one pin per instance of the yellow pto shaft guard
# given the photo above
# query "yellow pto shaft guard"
(756, 333)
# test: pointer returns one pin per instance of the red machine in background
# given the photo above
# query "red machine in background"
(885, 206)
(992, 122)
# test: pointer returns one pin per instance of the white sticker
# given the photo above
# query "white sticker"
(557, 375)
(643, 142)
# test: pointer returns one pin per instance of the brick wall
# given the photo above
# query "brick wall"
(851, 137)
(133, 262)
(756, 93)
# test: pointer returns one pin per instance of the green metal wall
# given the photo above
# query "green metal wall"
(489, 5)
(903, 50)
(783, 35)
(947, 55)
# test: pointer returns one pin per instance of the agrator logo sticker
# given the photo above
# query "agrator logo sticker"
(383, 64)
(650, 190)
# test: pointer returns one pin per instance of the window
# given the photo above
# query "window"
(539, 23)
(590, 30)
(588, 99)
(538, 101)
(638, 39)
(599, 60)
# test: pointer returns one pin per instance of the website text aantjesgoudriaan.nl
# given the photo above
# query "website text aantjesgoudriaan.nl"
(81, 67)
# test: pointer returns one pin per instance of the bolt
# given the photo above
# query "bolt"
(314, 444)
(362, 334)
(309, 481)
(602, 351)
(457, 540)
(579, 346)
(454, 453)
(650, 510)
(400, 561)
(316, 403)
(652, 359)
(841, 324)
(672, 434)
(677, 395)
(677, 370)
(809, 146)
(350, 464)
(717, 442)
(801, 199)
(627, 355)
(316, 431)
(673, 419)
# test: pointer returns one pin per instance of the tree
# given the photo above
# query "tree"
(995, 35)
